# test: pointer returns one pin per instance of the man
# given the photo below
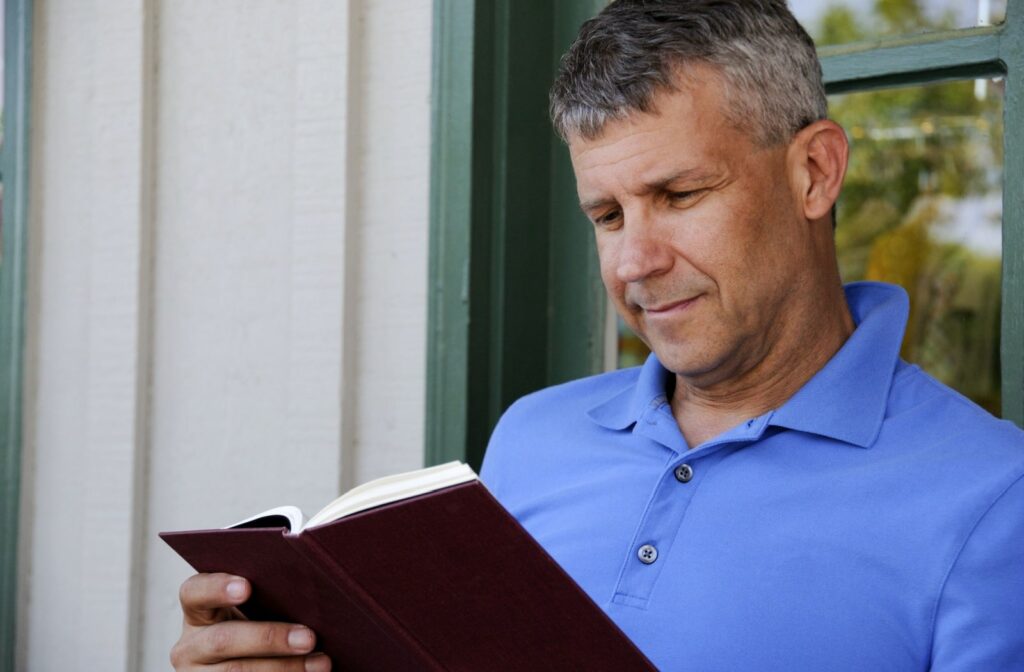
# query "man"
(774, 489)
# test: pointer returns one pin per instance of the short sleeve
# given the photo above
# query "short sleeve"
(979, 622)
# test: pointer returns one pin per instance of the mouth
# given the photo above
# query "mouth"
(672, 308)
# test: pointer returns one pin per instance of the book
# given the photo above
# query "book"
(419, 571)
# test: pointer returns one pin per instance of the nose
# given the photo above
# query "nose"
(642, 250)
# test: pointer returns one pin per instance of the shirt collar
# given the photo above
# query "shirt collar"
(845, 400)
(625, 407)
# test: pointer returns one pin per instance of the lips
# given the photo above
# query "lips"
(664, 308)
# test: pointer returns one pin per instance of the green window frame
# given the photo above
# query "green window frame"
(515, 297)
(14, 172)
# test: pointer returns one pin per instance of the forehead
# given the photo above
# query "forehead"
(686, 128)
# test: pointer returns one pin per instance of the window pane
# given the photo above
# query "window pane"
(922, 207)
(843, 21)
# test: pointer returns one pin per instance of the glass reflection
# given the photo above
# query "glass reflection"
(844, 21)
(922, 207)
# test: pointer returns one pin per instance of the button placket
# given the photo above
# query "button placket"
(659, 529)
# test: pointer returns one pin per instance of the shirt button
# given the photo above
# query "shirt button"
(647, 554)
(684, 473)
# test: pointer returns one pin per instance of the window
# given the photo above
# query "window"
(984, 61)
(922, 208)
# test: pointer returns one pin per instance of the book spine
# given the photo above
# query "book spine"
(323, 559)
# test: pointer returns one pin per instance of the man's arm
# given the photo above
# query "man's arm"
(212, 638)
(979, 621)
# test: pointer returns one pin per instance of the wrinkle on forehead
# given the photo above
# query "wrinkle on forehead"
(639, 159)
(584, 153)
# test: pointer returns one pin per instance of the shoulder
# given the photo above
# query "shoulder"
(555, 416)
(950, 430)
(570, 401)
(921, 403)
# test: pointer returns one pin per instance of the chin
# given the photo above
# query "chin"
(685, 362)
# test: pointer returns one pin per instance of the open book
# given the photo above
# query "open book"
(375, 493)
(418, 571)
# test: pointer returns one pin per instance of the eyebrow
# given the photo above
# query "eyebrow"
(659, 184)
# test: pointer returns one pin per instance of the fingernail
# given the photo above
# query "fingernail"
(318, 662)
(300, 639)
(236, 589)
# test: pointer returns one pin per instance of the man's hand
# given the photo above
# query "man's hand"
(212, 637)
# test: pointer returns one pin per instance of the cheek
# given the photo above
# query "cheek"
(733, 254)
(608, 264)
(717, 244)
(760, 261)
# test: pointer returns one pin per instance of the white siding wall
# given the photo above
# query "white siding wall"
(228, 289)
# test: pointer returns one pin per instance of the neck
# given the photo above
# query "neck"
(705, 408)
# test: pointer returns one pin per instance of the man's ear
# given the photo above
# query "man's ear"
(817, 164)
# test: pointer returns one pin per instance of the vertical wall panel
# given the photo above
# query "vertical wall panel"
(391, 168)
(87, 438)
(249, 272)
(230, 209)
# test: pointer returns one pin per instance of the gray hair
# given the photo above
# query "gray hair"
(635, 48)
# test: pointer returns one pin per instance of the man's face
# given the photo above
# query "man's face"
(699, 234)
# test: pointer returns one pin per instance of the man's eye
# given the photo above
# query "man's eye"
(608, 218)
(683, 196)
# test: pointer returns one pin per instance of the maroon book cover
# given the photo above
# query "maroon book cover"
(443, 581)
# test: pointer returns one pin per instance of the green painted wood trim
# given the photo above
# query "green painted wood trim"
(521, 190)
(512, 266)
(1012, 336)
(450, 228)
(927, 57)
(489, 195)
(578, 299)
(14, 167)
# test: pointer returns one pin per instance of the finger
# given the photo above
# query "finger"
(247, 639)
(317, 662)
(204, 596)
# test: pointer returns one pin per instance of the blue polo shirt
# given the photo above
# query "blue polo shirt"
(875, 521)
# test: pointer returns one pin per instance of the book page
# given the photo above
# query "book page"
(392, 489)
